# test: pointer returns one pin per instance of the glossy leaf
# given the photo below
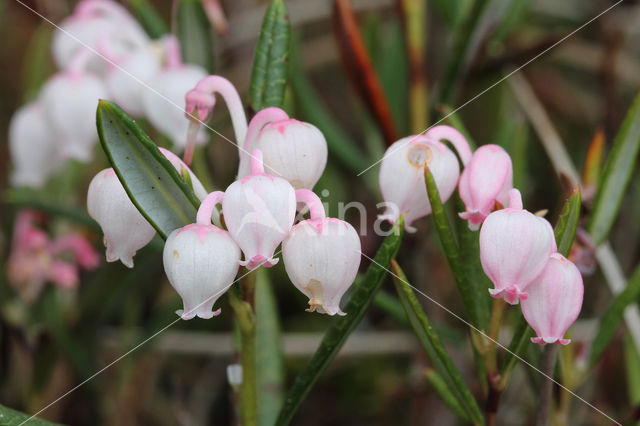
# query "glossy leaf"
(269, 359)
(9, 417)
(361, 297)
(565, 229)
(432, 345)
(194, 33)
(152, 183)
(610, 321)
(451, 249)
(616, 176)
(270, 63)
(149, 17)
(442, 390)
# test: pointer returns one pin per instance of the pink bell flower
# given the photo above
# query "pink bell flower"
(294, 150)
(201, 261)
(321, 256)
(402, 172)
(515, 246)
(555, 300)
(486, 179)
(259, 211)
(33, 148)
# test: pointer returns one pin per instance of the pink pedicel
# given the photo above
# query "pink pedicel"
(402, 174)
(201, 261)
(515, 246)
(259, 212)
(321, 256)
(555, 300)
(447, 133)
(36, 259)
(257, 123)
(485, 180)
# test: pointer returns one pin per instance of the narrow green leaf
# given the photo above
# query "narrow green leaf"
(270, 363)
(151, 20)
(432, 345)
(153, 184)
(442, 390)
(194, 33)
(521, 335)
(610, 321)
(361, 297)
(616, 176)
(452, 11)
(632, 363)
(565, 230)
(451, 249)
(270, 63)
(9, 417)
(311, 108)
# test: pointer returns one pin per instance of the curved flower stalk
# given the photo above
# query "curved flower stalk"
(515, 246)
(485, 180)
(36, 259)
(201, 261)
(32, 146)
(162, 104)
(321, 256)
(295, 150)
(125, 230)
(402, 177)
(259, 211)
(261, 119)
(69, 99)
(555, 300)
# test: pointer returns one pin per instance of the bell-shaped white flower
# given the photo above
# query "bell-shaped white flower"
(125, 229)
(201, 261)
(70, 100)
(402, 177)
(321, 256)
(259, 211)
(291, 149)
(33, 147)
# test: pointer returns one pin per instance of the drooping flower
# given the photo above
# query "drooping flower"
(515, 246)
(125, 229)
(294, 150)
(554, 301)
(33, 147)
(201, 261)
(402, 177)
(321, 256)
(259, 211)
(487, 178)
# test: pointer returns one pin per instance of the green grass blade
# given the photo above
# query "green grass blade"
(361, 298)
(270, 63)
(610, 321)
(194, 33)
(616, 176)
(442, 390)
(9, 417)
(153, 184)
(432, 345)
(565, 230)
(149, 17)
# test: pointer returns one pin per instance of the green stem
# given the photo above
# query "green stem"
(242, 304)
(546, 363)
(491, 362)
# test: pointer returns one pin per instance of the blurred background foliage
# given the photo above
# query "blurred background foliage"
(430, 57)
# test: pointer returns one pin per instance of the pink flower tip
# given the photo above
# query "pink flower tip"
(200, 101)
(550, 340)
(257, 261)
(200, 313)
(511, 294)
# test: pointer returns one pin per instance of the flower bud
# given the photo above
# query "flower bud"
(163, 105)
(259, 211)
(201, 262)
(554, 301)
(32, 146)
(515, 246)
(487, 178)
(321, 256)
(70, 101)
(125, 229)
(296, 151)
(402, 177)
